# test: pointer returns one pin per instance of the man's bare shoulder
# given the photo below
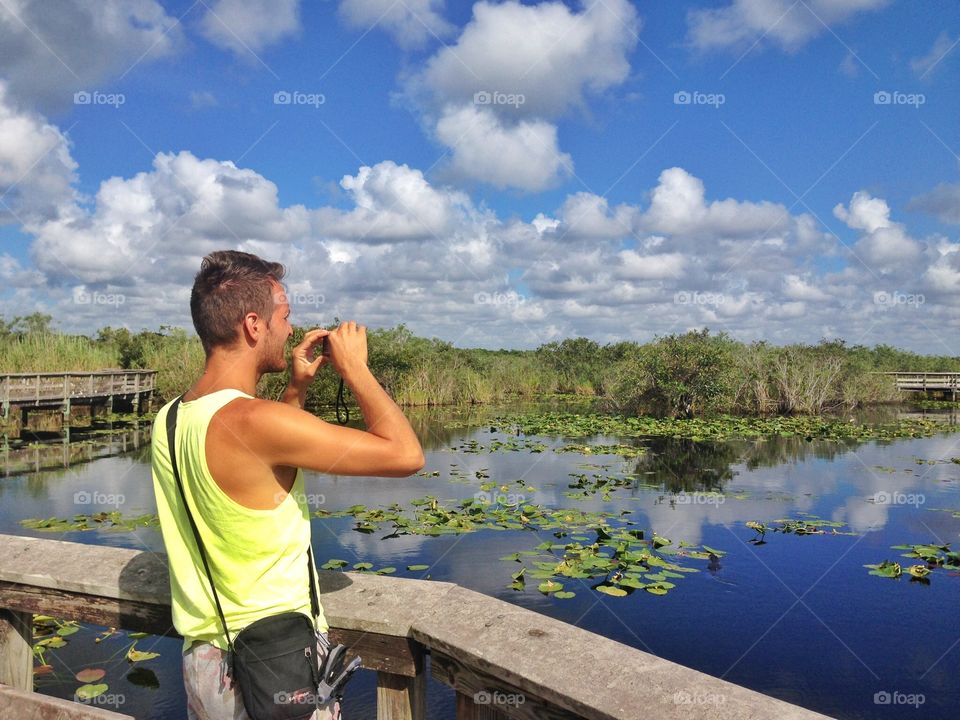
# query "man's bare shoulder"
(256, 412)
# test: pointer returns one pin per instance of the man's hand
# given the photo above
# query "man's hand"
(306, 363)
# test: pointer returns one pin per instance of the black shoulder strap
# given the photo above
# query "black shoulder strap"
(171, 444)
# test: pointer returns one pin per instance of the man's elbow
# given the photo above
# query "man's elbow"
(411, 464)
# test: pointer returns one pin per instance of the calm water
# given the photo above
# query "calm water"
(797, 617)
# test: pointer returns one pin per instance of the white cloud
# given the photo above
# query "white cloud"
(401, 249)
(798, 288)
(865, 212)
(523, 155)
(49, 53)
(786, 22)
(942, 47)
(36, 169)
(545, 52)
(411, 23)
(514, 70)
(585, 215)
(244, 26)
(637, 266)
(884, 244)
(678, 206)
(392, 203)
(185, 206)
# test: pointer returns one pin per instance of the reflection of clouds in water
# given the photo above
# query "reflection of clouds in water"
(833, 483)
(686, 522)
(372, 546)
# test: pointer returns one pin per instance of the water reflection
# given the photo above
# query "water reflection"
(698, 492)
(72, 447)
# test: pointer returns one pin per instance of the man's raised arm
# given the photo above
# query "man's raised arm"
(283, 435)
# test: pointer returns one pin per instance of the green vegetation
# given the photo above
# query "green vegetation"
(720, 427)
(933, 556)
(676, 376)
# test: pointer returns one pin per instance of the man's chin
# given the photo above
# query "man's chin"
(276, 367)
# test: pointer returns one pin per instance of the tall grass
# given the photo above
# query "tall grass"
(694, 373)
(50, 352)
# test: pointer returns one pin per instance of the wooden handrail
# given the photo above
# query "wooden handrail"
(478, 644)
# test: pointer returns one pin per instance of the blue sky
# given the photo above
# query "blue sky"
(786, 201)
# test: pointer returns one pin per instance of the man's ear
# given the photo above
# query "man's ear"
(252, 327)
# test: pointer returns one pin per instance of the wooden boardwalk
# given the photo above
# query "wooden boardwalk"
(23, 393)
(928, 382)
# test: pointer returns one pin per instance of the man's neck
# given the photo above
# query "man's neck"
(223, 371)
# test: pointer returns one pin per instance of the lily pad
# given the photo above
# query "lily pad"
(88, 692)
(91, 675)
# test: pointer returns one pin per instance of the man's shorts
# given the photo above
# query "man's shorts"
(212, 696)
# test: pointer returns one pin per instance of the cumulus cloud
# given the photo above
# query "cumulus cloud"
(46, 55)
(523, 155)
(513, 71)
(402, 249)
(393, 203)
(244, 26)
(884, 244)
(411, 23)
(37, 170)
(678, 206)
(545, 52)
(788, 23)
(184, 207)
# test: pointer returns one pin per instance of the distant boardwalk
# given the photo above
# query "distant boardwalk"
(932, 382)
(105, 390)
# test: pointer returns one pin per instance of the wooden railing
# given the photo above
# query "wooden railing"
(40, 388)
(924, 381)
(502, 660)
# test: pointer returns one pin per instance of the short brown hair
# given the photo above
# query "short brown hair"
(231, 284)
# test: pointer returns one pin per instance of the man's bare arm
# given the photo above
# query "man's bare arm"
(281, 434)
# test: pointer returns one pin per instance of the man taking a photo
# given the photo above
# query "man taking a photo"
(240, 460)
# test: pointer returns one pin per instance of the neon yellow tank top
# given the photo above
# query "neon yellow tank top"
(258, 558)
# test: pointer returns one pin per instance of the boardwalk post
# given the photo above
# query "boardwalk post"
(400, 697)
(66, 402)
(16, 649)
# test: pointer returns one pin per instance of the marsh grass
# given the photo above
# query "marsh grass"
(692, 374)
